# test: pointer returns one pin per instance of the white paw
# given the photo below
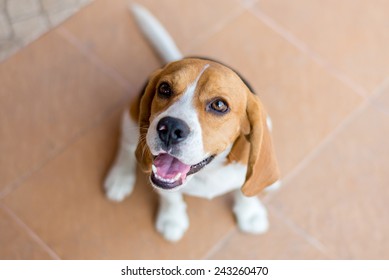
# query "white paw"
(119, 184)
(252, 217)
(254, 224)
(172, 224)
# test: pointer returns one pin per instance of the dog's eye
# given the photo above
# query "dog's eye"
(164, 90)
(219, 106)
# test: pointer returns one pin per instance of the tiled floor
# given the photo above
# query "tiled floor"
(22, 21)
(321, 68)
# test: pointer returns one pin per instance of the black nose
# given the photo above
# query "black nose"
(172, 131)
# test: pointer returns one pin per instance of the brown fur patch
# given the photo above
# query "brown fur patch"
(135, 108)
(240, 151)
(179, 75)
(262, 167)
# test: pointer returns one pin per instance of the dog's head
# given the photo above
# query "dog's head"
(193, 110)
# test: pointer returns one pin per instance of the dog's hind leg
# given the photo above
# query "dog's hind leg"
(121, 177)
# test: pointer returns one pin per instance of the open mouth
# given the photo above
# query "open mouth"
(169, 172)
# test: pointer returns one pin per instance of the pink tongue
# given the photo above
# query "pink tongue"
(168, 167)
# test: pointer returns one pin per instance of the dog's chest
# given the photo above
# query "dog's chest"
(216, 179)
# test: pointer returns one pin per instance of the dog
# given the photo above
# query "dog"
(196, 129)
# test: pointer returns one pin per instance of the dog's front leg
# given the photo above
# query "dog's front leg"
(172, 219)
(121, 178)
(250, 213)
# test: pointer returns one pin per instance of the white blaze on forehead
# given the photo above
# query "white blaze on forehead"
(192, 149)
(191, 89)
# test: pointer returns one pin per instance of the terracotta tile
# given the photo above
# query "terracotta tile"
(341, 197)
(381, 101)
(49, 93)
(248, 3)
(108, 30)
(280, 242)
(304, 101)
(192, 20)
(15, 243)
(352, 35)
(83, 224)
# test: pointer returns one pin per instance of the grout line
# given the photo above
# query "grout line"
(96, 122)
(31, 233)
(290, 224)
(21, 18)
(318, 149)
(94, 58)
(374, 103)
(329, 138)
(288, 36)
(308, 159)
(106, 70)
(248, 3)
(299, 231)
(9, 21)
(379, 89)
(220, 244)
(215, 29)
(43, 12)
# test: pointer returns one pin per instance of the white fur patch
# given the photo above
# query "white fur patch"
(121, 178)
(191, 150)
(274, 187)
(216, 178)
(172, 219)
(156, 34)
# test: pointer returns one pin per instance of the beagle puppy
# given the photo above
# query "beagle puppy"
(198, 129)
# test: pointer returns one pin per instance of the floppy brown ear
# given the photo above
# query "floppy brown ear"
(142, 152)
(239, 150)
(262, 168)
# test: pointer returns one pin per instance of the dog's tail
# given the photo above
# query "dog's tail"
(156, 34)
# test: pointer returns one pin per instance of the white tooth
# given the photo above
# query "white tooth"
(166, 180)
(154, 169)
(177, 176)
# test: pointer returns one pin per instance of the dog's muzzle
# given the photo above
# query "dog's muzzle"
(169, 172)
